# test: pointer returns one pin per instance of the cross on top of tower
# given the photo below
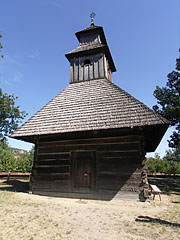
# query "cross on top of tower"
(92, 15)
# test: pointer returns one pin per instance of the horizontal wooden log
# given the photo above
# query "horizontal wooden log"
(63, 169)
(53, 162)
(51, 177)
(117, 171)
(122, 187)
(118, 162)
(90, 141)
(51, 166)
(51, 156)
(118, 158)
(105, 147)
(108, 175)
(64, 184)
(54, 183)
(119, 175)
(51, 189)
(118, 154)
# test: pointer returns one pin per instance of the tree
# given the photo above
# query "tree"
(1, 56)
(24, 161)
(167, 164)
(169, 100)
(15, 161)
(173, 155)
(10, 115)
(6, 157)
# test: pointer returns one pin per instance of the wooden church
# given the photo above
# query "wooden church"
(92, 138)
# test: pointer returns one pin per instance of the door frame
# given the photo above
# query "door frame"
(73, 164)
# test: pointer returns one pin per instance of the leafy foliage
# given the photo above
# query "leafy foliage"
(15, 162)
(1, 55)
(10, 115)
(167, 164)
(6, 157)
(169, 100)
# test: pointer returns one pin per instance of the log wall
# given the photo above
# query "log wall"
(89, 67)
(118, 165)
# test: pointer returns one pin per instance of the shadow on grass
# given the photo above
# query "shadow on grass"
(14, 186)
(156, 220)
(176, 202)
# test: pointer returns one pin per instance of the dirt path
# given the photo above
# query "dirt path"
(24, 216)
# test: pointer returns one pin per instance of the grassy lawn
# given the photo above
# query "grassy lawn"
(32, 217)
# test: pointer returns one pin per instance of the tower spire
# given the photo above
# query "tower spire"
(92, 15)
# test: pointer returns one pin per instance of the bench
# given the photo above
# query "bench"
(155, 191)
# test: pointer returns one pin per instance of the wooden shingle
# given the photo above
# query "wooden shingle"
(90, 105)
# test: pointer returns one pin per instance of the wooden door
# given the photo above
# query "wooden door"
(83, 172)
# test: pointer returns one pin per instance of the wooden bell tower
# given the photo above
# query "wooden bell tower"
(92, 59)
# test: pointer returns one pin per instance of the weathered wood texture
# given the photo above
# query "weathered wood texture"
(90, 38)
(97, 67)
(116, 165)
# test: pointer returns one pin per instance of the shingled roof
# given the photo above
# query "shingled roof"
(86, 47)
(89, 105)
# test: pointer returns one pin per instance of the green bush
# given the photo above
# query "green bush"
(165, 165)
(15, 162)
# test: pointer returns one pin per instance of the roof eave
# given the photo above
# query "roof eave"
(92, 29)
(100, 49)
(153, 134)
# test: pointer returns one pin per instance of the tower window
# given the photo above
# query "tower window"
(87, 62)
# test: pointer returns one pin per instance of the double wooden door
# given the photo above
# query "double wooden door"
(83, 171)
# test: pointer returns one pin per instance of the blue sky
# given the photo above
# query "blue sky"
(143, 37)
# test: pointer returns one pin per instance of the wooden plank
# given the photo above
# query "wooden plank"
(106, 161)
(105, 67)
(155, 189)
(116, 169)
(81, 69)
(119, 154)
(76, 70)
(83, 162)
(86, 72)
(53, 162)
(103, 147)
(108, 175)
(71, 71)
(101, 67)
(51, 177)
(50, 189)
(51, 156)
(96, 66)
(131, 138)
(62, 169)
(91, 68)
(52, 166)
(52, 185)
(55, 183)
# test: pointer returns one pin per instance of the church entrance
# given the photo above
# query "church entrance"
(83, 171)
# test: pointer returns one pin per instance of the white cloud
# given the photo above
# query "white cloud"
(5, 82)
(17, 77)
(56, 3)
(12, 60)
(33, 54)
